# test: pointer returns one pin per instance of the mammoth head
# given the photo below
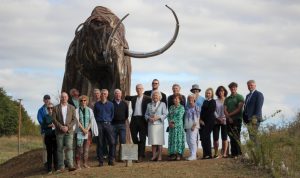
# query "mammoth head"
(99, 55)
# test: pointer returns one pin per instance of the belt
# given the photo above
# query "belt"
(105, 122)
(138, 116)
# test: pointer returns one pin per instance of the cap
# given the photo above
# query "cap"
(47, 97)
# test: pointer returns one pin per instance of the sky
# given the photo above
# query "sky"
(219, 42)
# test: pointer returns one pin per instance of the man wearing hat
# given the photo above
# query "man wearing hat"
(40, 115)
(199, 99)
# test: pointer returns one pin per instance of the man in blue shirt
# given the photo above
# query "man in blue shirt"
(42, 112)
(104, 113)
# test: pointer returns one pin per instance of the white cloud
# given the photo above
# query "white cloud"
(218, 42)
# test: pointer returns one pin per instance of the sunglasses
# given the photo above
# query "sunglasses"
(82, 100)
(155, 83)
(49, 107)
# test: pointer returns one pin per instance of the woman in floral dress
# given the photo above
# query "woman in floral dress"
(176, 132)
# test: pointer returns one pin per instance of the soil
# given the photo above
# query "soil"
(29, 164)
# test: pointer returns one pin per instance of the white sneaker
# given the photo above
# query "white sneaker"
(191, 158)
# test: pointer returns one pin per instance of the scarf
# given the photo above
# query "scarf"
(84, 119)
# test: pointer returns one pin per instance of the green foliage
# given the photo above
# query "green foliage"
(277, 149)
(9, 116)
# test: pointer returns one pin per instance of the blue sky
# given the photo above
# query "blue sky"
(218, 42)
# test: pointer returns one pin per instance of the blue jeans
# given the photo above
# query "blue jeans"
(105, 132)
(67, 141)
(120, 131)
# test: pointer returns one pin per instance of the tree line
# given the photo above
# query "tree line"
(9, 116)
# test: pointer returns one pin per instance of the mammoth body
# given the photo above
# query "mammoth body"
(98, 56)
(86, 68)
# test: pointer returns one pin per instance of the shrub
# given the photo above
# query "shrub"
(277, 149)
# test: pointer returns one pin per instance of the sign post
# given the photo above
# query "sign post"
(129, 152)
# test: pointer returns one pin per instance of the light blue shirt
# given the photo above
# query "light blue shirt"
(198, 103)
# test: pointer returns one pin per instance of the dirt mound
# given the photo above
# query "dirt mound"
(24, 165)
(30, 164)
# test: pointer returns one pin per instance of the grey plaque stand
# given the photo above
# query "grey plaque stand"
(129, 152)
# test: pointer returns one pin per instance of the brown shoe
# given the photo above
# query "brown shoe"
(86, 166)
(72, 169)
(60, 170)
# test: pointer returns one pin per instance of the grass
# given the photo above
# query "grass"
(278, 149)
(9, 146)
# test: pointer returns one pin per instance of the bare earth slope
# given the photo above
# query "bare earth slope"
(30, 165)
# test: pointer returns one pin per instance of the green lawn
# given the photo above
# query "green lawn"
(9, 146)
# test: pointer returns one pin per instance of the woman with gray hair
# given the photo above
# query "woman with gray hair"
(191, 124)
(155, 115)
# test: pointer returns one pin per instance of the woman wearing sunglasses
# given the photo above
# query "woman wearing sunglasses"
(86, 121)
(50, 139)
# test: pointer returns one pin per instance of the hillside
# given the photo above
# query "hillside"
(29, 165)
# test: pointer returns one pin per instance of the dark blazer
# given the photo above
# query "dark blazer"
(58, 118)
(163, 96)
(70, 101)
(145, 101)
(253, 107)
(208, 112)
(171, 102)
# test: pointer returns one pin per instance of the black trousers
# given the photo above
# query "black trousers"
(216, 132)
(51, 147)
(205, 133)
(105, 130)
(234, 133)
(138, 126)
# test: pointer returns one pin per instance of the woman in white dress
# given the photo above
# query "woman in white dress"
(155, 115)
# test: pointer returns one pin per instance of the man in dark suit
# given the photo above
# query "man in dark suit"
(176, 90)
(138, 124)
(64, 119)
(155, 85)
(252, 115)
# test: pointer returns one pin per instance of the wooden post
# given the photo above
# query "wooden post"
(19, 129)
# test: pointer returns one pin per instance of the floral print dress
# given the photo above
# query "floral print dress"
(176, 134)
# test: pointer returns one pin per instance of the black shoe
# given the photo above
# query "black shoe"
(46, 165)
(172, 157)
(111, 163)
(72, 168)
(207, 157)
(140, 160)
(100, 165)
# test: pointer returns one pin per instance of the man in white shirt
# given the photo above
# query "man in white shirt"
(138, 124)
(64, 119)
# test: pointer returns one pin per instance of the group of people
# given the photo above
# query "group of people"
(72, 123)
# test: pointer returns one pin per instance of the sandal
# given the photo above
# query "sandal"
(153, 159)
(216, 156)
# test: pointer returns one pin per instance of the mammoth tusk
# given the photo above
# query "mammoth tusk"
(159, 51)
(107, 50)
(78, 27)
